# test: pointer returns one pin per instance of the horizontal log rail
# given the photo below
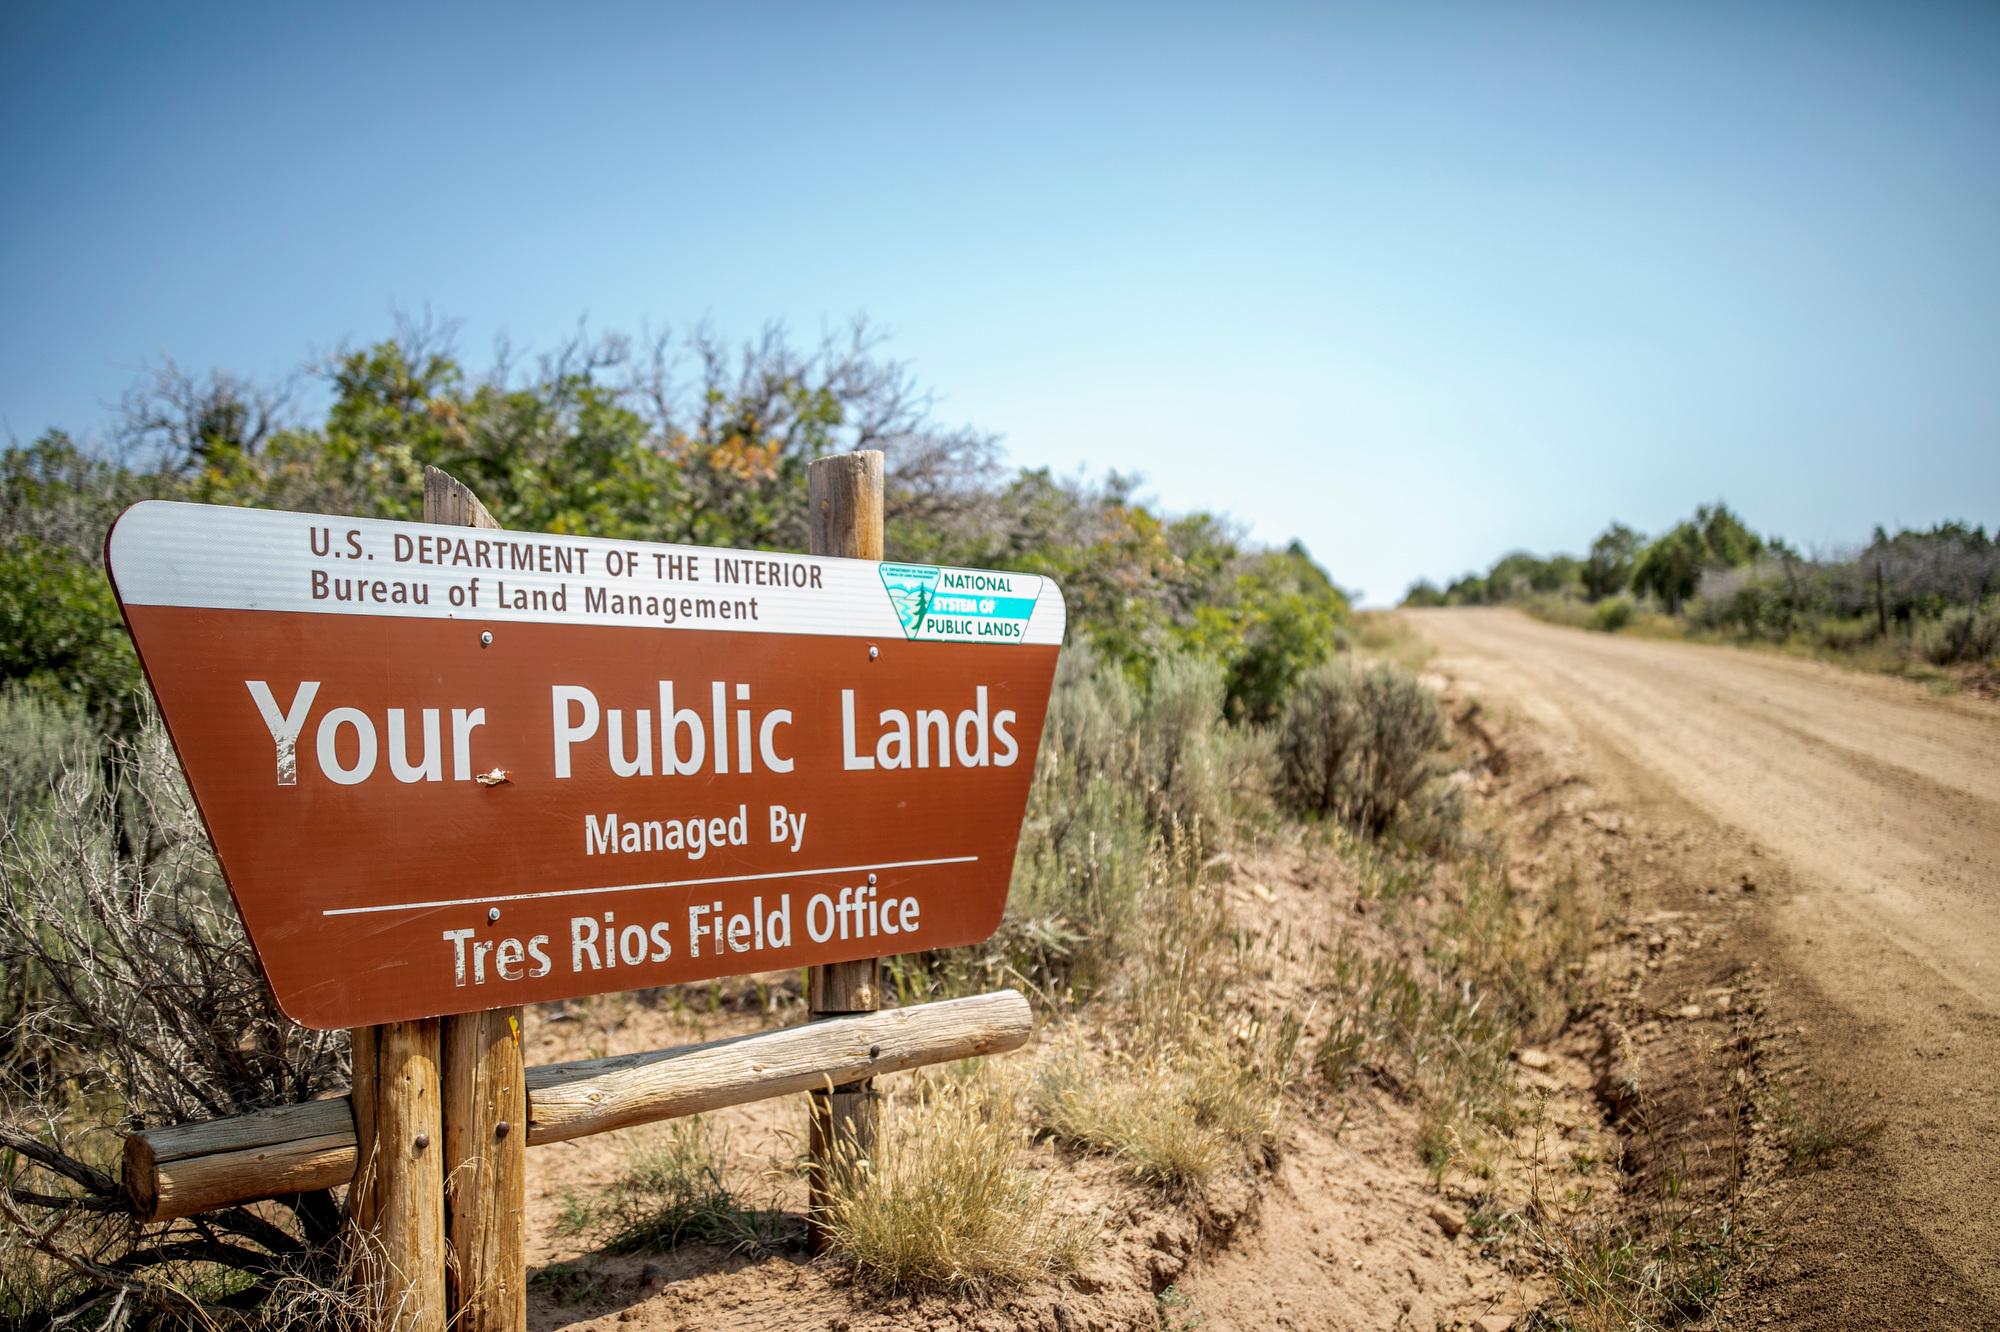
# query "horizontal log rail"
(190, 1168)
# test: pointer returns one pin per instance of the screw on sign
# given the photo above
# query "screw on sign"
(447, 770)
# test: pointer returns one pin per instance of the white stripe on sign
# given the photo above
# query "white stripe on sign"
(641, 887)
(165, 553)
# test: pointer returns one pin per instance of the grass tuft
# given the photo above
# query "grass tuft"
(1172, 1120)
(671, 1193)
(1669, 1271)
(1817, 1129)
(945, 1205)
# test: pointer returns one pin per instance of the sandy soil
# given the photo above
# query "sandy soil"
(1336, 1230)
(1857, 818)
(1339, 1228)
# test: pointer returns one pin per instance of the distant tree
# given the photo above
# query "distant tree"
(1559, 573)
(1790, 562)
(1918, 573)
(1511, 575)
(188, 423)
(1466, 590)
(1609, 568)
(1670, 568)
(1726, 542)
(1424, 592)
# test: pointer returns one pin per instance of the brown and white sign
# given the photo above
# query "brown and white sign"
(449, 769)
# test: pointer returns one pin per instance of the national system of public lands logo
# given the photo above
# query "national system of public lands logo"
(961, 605)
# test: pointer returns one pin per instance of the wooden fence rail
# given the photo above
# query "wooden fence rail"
(189, 1168)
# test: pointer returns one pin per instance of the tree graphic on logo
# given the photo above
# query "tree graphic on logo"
(910, 588)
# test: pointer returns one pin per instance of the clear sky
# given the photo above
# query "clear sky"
(1414, 283)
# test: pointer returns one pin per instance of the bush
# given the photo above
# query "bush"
(1851, 634)
(1117, 770)
(60, 632)
(1358, 745)
(1611, 615)
(1083, 844)
(1572, 612)
(1961, 636)
(40, 739)
(137, 999)
(1180, 742)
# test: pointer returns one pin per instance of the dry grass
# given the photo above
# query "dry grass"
(1434, 1022)
(946, 1205)
(672, 1193)
(1427, 1038)
(1173, 1090)
(1172, 1119)
(1667, 1270)
(1818, 1127)
(1388, 636)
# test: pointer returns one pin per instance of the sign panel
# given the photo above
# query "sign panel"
(447, 769)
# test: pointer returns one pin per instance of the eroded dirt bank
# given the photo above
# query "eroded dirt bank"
(1837, 837)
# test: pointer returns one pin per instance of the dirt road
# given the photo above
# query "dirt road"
(1872, 810)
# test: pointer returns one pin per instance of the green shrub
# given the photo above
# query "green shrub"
(1558, 608)
(60, 632)
(1965, 635)
(1118, 769)
(1180, 742)
(1283, 617)
(1611, 615)
(1850, 634)
(1084, 842)
(40, 738)
(1358, 745)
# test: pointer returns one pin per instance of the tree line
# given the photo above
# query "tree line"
(683, 437)
(1924, 593)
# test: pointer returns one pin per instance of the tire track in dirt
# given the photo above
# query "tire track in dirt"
(1881, 805)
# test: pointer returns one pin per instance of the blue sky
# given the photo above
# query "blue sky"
(1413, 283)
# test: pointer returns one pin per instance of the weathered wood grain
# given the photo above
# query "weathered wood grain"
(572, 1100)
(409, 1242)
(844, 493)
(486, 1170)
(200, 1167)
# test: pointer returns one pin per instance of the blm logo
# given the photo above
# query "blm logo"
(910, 588)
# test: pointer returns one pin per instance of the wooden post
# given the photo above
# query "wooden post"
(415, 1135)
(396, 1201)
(485, 1147)
(486, 1166)
(398, 1189)
(845, 495)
